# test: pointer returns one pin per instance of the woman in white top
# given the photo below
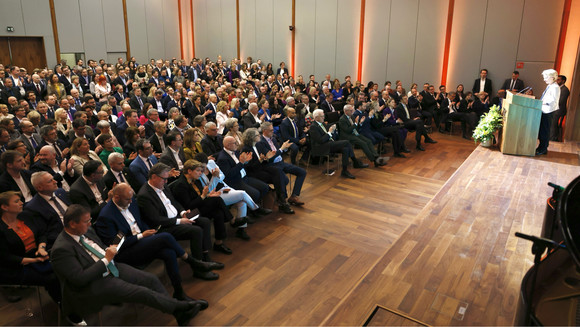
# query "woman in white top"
(82, 153)
(221, 115)
(63, 123)
(102, 89)
(550, 99)
(244, 72)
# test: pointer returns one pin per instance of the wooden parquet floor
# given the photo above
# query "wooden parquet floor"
(420, 236)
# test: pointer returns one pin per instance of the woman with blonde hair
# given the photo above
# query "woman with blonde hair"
(81, 153)
(63, 123)
(4, 113)
(191, 143)
(221, 115)
(233, 129)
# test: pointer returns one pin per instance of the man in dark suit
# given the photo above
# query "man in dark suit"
(412, 123)
(30, 139)
(89, 190)
(158, 138)
(289, 130)
(90, 278)
(331, 114)
(145, 159)
(37, 87)
(269, 147)
(482, 84)
(9, 91)
(159, 207)
(451, 112)
(152, 117)
(157, 103)
(212, 142)
(251, 118)
(514, 84)
(79, 129)
(118, 173)
(137, 100)
(232, 164)
(142, 245)
(558, 118)
(429, 106)
(323, 136)
(173, 155)
(348, 130)
(48, 205)
(50, 137)
(61, 170)
(15, 177)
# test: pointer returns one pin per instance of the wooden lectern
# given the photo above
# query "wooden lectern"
(521, 123)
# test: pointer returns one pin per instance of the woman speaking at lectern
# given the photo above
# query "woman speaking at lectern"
(549, 99)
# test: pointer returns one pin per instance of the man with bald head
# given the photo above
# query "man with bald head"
(232, 164)
(61, 170)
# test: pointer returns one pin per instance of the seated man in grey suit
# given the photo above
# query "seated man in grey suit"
(173, 155)
(90, 278)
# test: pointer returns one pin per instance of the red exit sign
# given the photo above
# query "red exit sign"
(519, 65)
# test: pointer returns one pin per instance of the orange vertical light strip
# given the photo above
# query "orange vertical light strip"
(293, 54)
(192, 31)
(447, 42)
(563, 30)
(54, 30)
(180, 28)
(238, 25)
(361, 39)
(125, 21)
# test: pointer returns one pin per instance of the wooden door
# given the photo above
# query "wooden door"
(27, 52)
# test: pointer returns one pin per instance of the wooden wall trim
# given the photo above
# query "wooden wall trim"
(180, 29)
(361, 40)
(447, 42)
(562, 39)
(192, 31)
(293, 53)
(125, 21)
(238, 27)
(55, 30)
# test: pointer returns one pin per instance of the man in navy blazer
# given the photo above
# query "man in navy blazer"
(142, 245)
(232, 165)
(43, 207)
(290, 131)
(269, 147)
(143, 162)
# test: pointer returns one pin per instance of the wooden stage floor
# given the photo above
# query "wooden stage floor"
(424, 236)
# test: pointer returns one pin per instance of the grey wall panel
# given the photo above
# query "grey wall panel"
(376, 40)
(171, 29)
(282, 40)
(11, 15)
(402, 35)
(137, 26)
(531, 74)
(38, 23)
(500, 41)
(347, 39)
(93, 29)
(200, 29)
(466, 43)
(265, 31)
(430, 42)
(540, 30)
(114, 25)
(70, 34)
(248, 23)
(325, 42)
(214, 26)
(155, 30)
(229, 38)
(305, 38)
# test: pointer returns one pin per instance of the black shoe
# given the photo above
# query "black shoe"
(75, 320)
(214, 265)
(222, 248)
(358, 164)
(241, 233)
(250, 220)
(181, 296)
(239, 222)
(405, 150)
(184, 316)
(399, 155)
(430, 140)
(442, 131)
(285, 208)
(466, 137)
(420, 148)
(539, 152)
(379, 163)
(206, 275)
(198, 265)
(262, 211)
(347, 174)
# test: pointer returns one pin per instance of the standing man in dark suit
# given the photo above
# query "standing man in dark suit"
(513, 84)
(37, 87)
(157, 103)
(90, 278)
(482, 84)
(560, 114)
(89, 190)
(48, 205)
(324, 136)
(413, 124)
